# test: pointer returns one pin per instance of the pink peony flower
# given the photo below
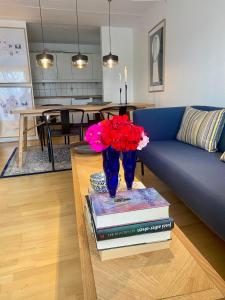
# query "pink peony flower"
(91, 133)
(143, 142)
(118, 132)
(93, 137)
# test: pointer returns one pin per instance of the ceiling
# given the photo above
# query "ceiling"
(59, 17)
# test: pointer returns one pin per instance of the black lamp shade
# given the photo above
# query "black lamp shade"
(45, 60)
(110, 60)
(80, 61)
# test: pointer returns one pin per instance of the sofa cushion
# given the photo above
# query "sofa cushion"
(221, 144)
(202, 128)
(195, 175)
(222, 158)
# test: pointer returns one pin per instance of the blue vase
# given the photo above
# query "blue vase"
(111, 168)
(129, 165)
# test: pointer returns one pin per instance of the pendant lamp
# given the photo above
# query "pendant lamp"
(79, 60)
(110, 60)
(44, 60)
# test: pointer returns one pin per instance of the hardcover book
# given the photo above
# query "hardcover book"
(133, 250)
(134, 229)
(134, 240)
(132, 206)
(120, 251)
(130, 229)
(122, 187)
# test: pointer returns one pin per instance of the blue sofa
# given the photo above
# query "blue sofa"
(196, 176)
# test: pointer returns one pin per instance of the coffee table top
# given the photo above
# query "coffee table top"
(178, 273)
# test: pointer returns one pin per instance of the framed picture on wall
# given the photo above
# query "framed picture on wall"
(156, 53)
(11, 99)
(14, 59)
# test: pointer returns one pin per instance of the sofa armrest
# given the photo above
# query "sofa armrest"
(160, 123)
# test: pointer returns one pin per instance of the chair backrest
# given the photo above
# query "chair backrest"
(118, 110)
(43, 105)
(66, 117)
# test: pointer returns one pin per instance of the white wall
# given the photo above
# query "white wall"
(195, 53)
(122, 45)
(33, 47)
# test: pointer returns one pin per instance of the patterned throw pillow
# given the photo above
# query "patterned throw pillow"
(222, 158)
(202, 128)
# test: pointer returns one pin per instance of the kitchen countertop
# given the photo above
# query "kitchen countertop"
(74, 97)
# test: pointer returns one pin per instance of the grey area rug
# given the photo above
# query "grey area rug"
(37, 162)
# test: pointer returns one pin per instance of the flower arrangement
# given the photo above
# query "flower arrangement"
(118, 132)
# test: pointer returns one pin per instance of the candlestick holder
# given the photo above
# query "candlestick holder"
(125, 93)
(120, 95)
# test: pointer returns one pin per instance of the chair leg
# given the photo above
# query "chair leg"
(49, 149)
(142, 169)
(65, 139)
(44, 142)
(52, 156)
(40, 136)
(41, 140)
(81, 134)
(68, 140)
(43, 134)
(49, 154)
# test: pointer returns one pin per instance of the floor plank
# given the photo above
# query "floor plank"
(39, 256)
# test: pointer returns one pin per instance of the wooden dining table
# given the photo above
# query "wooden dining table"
(36, 111)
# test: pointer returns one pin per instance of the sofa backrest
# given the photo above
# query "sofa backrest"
(221, 145)
(160, 123)
(163, 123)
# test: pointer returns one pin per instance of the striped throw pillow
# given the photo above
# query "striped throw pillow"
(202, 128)
(222, 158)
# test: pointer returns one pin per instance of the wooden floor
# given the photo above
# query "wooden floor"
(39, 255)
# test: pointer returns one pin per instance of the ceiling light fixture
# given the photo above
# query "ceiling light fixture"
(110, 60)
(79, 60)
(44, 60)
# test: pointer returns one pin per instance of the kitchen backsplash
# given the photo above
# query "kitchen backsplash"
(67, 89)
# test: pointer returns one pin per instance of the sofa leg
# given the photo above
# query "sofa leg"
(142, 169)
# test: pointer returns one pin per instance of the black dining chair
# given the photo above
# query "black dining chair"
(107, 112)
(41, 125)
(67, 127)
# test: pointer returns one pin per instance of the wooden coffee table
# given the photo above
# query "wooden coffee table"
(178, 273)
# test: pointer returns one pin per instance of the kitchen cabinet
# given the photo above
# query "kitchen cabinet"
(64, 66)
(96, 67)
(85, 73)
(39, 74)
(63, 71)
(51, 73)
(36, 71)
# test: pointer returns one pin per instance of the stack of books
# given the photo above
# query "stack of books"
(134, 222)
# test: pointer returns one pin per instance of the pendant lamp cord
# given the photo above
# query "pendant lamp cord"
(78, 35)
(42, 30)
(110, 45)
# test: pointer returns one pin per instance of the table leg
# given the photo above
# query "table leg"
(20, 150)
(25, 134)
